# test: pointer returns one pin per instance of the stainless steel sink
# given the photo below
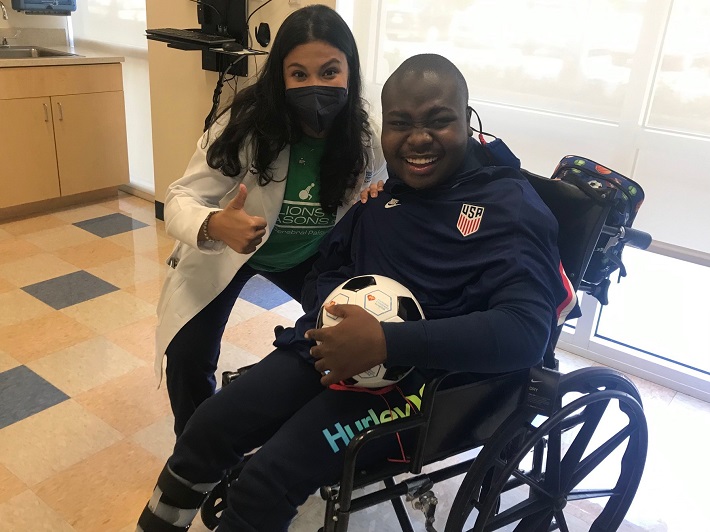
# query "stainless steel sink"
(29, 52)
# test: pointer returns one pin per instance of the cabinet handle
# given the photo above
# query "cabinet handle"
(46, 112)
(61, 112)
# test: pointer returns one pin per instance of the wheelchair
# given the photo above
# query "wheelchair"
(553, 449)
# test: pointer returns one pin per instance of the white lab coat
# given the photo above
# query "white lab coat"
(199, 274)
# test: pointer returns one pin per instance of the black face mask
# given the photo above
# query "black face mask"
(317, 105)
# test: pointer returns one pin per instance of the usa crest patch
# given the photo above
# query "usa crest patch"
(469, 219)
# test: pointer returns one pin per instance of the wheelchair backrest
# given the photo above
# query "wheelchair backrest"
(580, 221)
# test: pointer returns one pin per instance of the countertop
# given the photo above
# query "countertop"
(86, 55)
(88, 52)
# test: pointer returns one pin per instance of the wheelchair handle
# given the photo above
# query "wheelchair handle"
(627, 235)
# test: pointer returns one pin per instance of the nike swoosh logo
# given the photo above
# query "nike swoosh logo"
(389, 204)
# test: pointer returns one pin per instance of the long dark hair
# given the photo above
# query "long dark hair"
(260, 111)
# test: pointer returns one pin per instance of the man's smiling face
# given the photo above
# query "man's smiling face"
(425, 128)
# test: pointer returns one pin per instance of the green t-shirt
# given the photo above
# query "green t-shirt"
(301, 223)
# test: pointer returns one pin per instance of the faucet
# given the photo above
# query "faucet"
(5, 17)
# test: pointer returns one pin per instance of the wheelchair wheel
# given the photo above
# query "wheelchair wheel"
(579, 469)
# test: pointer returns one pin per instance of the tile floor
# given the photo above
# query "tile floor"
(84, 431)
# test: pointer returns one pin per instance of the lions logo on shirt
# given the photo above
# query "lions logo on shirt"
(469, 219)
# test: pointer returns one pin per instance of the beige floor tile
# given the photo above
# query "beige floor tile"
(49, 442)
(243, 311)
(256, 335)
(232, 358)
(17, 306)
(128, 201)
(157, 438)
(26, 512)
(138, 208)
(7, 362)
(107, 491)
(32, 225)
(60, 237)
(137, 338)
(145, 215)
(143, 240)
(85, 365)
(159, 254)
(34, 269)
(93, 253)
(13, 249)
(291, 310)
(148, 291)
(110, 312)
(652, 392)
(128, 403)
(6, 286)
(10, 485)
(84, 212)
(128, 271)
(35, 338)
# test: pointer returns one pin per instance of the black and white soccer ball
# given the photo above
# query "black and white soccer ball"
(388, 301)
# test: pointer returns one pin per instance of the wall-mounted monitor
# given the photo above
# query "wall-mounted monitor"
(45, 7)
(224, 16)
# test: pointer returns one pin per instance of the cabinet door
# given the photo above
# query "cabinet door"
(90, 133)
(28, 165)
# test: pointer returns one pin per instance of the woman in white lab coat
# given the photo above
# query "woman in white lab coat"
(268, 180)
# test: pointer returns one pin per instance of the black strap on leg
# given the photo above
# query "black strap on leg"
(149, 522)
(177, 494)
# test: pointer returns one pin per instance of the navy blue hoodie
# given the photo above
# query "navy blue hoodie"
(491, 297)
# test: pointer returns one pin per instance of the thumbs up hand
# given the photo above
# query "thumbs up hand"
(235, 227)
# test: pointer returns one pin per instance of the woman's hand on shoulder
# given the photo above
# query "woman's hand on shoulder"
(372, 191)
(235, 227)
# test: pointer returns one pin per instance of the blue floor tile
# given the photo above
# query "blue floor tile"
(24, 393)
(263, 293)
(69, 289)
(110, 225)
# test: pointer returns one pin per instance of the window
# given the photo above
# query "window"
(623, 82)
(681, 93)
(661, 308)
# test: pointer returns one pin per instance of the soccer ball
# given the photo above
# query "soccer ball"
(388, 301)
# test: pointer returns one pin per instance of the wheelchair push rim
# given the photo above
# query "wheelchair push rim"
(562, 459)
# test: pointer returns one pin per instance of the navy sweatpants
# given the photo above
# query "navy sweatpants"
(302, 429)
(193, 354)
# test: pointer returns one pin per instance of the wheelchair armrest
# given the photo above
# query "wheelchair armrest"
(347, 479)
(453, 384)
(418, 420)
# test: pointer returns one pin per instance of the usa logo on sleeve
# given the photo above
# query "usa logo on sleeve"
(469, 219)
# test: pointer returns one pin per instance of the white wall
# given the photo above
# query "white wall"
(117, 27)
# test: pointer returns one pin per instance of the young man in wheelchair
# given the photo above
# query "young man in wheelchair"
(491, 297)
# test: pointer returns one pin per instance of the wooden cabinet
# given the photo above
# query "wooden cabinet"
(90, 134)
(28, 164)
(62, 131)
